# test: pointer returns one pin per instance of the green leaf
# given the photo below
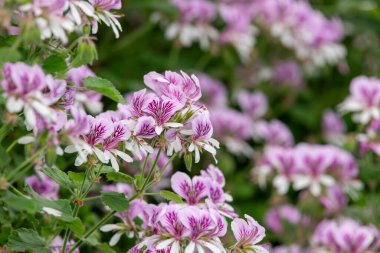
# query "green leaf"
(104, 87)
(77, 227)
(106, 169)
(169, 195)
(188, 161)
(54, 63)
(19, 203)
(77, 177)
(119, 177)
(8, 54)
(115, 201)
(58, 176)
(62, 206)
(26, 239)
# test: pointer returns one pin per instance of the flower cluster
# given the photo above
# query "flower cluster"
(364, 103)
(197, 24)
(314, 39)
(168, 115)
(58, 18)
(195, 225)
(235, 129)
(312, 167)
(345, 235)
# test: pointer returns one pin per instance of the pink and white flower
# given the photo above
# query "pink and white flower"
(248, 233)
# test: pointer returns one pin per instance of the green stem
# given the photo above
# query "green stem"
(17, 191)
(10, 147)
(76, 209)
(92, 182)
(151, 171)
(92, 230)
(92, 198)
(164, 168)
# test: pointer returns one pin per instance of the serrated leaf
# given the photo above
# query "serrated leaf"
(8, 54)
(188, 161)
(54, 63)
(119, 177)
(58, 176)
(19, 203)
(26, 239)
(115, 201)
(169, 195)
(104, 87)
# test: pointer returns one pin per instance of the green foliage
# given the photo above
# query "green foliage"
(104, 87)
(54, 63)
(26, 239)
(188, 158)
(169, 195)
(8, 54)
(115, 201)
(120, 177)
(59, 176)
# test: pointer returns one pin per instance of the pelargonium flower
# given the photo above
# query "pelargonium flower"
(239, 30)
(194, 24)
(254, 104)
(204, 228)
(144, 128)
(162, 109)
(284, 161)
(103, 14)
(111, 146)
(345, 235)
(233, 129)
(335, 200)
(29, 90)
(274, 133)
(49, 17)
(364, 99)
(313, 164)
(180, 87)
(248, 233)
(192, 190)
(287, 73)
(314, 38)
(201, 132)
